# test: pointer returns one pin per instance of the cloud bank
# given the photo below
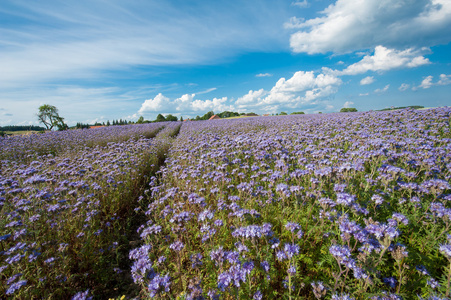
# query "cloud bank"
(345, 26)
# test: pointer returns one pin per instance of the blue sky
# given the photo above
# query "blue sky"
(103, 60)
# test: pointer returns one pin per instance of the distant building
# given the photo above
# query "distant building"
(186, 120)
(214, 117)
(93, 127)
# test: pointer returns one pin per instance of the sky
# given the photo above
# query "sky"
(99, 60)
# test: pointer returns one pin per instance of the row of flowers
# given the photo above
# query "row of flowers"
(335, 206)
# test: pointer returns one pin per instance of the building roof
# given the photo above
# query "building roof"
(214, 117)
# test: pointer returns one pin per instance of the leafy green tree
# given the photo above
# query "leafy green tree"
(181, 118)
(348, 109)
(297, 113)
(160, 118)
(283, 113)
(140, 120)
(48, 115)
(171, 118)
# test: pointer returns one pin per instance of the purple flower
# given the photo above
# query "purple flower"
(291, 226)
(15, 286)
(82, 296)
(433, 283)
(292, 270)
(291, 250)
(177, 246)
(265, 266)
(345, 199)
(445, 250)
(258, 295)
(159, 284)
(390, 281)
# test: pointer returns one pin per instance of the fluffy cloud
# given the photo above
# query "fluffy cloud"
(444, 79)
(385, 59)
(367, 80)
(345, 24)
(427, 81)
(380, 91)
(252, 97)
(155, 104)
(303, 87)
(186, 104)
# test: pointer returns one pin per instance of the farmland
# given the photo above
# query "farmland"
(325, 206)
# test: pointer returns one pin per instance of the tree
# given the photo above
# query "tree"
(140, 120)
(48, 115)
(171, 118)
(181, 118)
(348, 109)
(160, 118)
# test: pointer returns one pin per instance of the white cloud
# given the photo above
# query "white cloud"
(303, 87)
(206, 91)
(367, 80)
(403, 87)
(252, 97)
(385, 59)
(344, 26)
(263, 75)
(444, 79)
(364, 94)
(426, 83)
(348, 104)
(155, 104)
(379, 91)
(302, 4)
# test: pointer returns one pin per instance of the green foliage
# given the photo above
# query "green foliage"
(21, 128)
(160, 118)
(82, 126)
(348, 109)
(140, 120)
(171, 118)
(48, 115)
(228, 114)
(297, 113)
(283, 113)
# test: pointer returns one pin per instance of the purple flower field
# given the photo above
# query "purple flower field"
(331, 206)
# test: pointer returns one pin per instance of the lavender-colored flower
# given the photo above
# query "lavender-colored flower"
(265, 266)
(291, 250)
(341, 297)
(258, 295)
(15, 286)
(159, 284)
(291, 226)
(422, 270)
(292, 270)
(177, 246)
(345, 199)
(281, 255)
(446, 250)
(433, 283)
(340, 252)
(390, 281)
(82, 295)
